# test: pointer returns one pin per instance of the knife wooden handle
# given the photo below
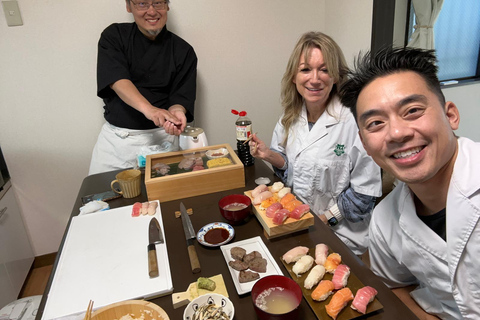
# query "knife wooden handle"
(152, 261)
(192, 254)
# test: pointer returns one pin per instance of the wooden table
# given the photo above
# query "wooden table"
(211, 259)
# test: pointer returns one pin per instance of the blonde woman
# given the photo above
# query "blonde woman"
(315, 147)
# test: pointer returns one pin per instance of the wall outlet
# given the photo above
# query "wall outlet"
(12, 13)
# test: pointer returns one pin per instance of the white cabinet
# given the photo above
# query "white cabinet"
(16, 254)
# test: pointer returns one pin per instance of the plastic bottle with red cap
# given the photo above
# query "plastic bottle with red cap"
(244, 131)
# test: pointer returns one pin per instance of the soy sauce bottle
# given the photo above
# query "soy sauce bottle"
(243, 127)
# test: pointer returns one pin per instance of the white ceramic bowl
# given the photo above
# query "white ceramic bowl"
(217, 153)
(212, 298)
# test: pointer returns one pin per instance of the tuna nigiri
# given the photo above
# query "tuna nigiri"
(259, 189)
(332, 262)
(338, 302)
(290, 206)
(287, 198)
(323, 290)
(136, 209)
(280, 216)
(321, 253)
(299, 211)
(315, 275)
(294, 254)
(262, 196)
(303, 265)
(274, 207)
(363, 297)
(340, 276)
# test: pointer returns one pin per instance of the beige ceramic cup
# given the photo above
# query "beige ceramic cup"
(129, 181)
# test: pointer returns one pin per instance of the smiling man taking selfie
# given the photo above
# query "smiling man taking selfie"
(146, 76)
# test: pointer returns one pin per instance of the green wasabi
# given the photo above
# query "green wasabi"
(205, 283)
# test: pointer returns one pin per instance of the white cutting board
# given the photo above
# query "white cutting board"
(105, 259)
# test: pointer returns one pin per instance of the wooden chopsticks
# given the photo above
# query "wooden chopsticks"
(88, 313)
(249, 138)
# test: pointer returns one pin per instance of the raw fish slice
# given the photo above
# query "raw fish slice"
(332, 262)
(283, 192)
(136, 209)
(338, 302)
(277, 186)
(299, 211)
(198, 161)
(292, 205)
(196, 168)
(340, 276)
(280, 216)
(262, 196)
(187, 163)
(294, 254)
(274, 207)
(303, 265)
(321, 253)
(363, 297)
(152, 208)
(315, 275)
(323, 290)
(287, 198)
(267, 202)
(144, 210)
(259, 189)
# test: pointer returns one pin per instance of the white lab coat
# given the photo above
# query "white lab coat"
(325, 161)
(405, 251)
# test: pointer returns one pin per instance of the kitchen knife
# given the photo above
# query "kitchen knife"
(190, 235)
(154, 236)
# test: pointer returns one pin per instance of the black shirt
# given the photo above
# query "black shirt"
(437, 222)
(163, 70)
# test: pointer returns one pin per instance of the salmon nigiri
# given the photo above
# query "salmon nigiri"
(338, 302)
(323, 290)
(363, 297)
(340, 276)
(290, 206)
(287, 198)
(332, 262)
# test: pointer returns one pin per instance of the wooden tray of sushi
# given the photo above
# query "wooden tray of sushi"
(318, 307)
(290, 225)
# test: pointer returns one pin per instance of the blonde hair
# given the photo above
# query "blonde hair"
(292, 101)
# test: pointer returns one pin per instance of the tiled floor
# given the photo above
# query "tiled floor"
(36, 281)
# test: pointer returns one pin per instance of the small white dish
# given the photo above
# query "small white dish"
(217, 153)
(215, 225)
(262, 180)
(212, 298)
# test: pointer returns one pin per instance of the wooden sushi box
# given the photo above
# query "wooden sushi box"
(179, 183)
(290, 225)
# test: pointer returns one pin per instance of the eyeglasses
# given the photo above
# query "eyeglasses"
(144, 6)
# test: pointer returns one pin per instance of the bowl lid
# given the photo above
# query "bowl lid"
(192, 131)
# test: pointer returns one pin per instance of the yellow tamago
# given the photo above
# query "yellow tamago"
(218, 162)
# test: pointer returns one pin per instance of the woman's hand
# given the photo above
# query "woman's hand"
(258, 149)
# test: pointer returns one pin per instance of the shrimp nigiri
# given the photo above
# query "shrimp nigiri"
(294, 254)
(321, 253)
(323, 290)
(338, 302)
(332, 262)
(340, 276)
(363, 297)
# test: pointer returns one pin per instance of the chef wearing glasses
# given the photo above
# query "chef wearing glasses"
(146, 76)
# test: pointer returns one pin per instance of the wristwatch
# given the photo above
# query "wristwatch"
(333, 216)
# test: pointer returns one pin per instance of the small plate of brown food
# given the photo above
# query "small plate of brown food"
(215, 234)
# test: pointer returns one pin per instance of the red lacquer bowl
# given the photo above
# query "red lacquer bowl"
(235, 216)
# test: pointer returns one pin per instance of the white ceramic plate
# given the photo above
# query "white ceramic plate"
(217, 153)
(252, 244)
(201, 233)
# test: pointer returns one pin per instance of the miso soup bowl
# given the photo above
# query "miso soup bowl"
(276, 281)
(235, 216)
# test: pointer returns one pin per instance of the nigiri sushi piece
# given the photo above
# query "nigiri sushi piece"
(262, 196)
(152, 208)
(340, 276)
(277, 186)
(323, 290)
(290, 206)
(267, 202)
(332, 262)
(338, 302)
(283, 192)
(321, 253)
(315, 275)
(274, 207)
(144, 210)
(287, 198)
(363, 297)
(136, 209)
(294, 254)
(280, 216)
(303, 265)
(259, 189)
(299, 211)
